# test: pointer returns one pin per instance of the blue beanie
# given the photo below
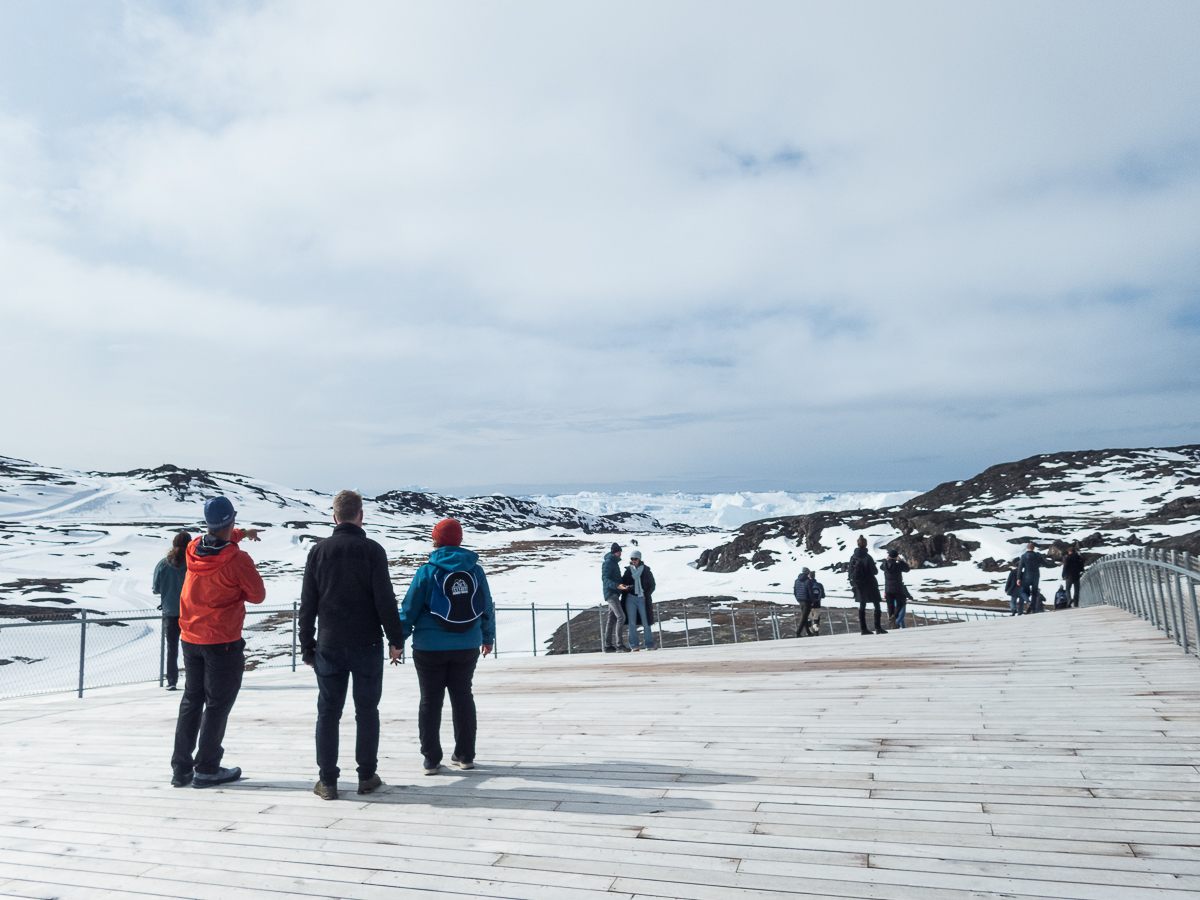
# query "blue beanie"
(218, 513)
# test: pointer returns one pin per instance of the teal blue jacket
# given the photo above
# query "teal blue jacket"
(610, 576)
(418, 621)
(168, 583)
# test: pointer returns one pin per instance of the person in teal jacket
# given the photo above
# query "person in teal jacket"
(168, 583)
(449, 613)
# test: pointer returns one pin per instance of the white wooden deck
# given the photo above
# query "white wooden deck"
(1050, 756)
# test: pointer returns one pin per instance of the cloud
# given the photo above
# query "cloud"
(465, 243)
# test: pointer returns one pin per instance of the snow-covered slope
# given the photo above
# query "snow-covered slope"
(962, 536)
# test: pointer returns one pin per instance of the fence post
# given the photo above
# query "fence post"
(733, 619)
(295, 637)
(712, 634)
(658, 619)
(754, 609)
(162, 649)
(569, 629)
(1191, 583)
(82, 647)
(1179, 593)
(687, 636)
(600, 619)
(533, 612)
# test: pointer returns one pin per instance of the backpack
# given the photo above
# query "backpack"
(457, 602)
(1060, 598)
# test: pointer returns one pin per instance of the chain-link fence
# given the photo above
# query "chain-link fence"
(1158, 585)
(90, 649)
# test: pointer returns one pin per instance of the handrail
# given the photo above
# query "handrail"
(1143, 582)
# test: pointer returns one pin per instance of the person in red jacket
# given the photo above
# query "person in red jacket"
(221, 579)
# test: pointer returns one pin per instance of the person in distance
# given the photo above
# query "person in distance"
(168, 583)
(816, 593)
(1072, 572)
(346, 602)
(802, 591)
(863, 581)
(894, 591)
(610, 583)
(1028, 576)
(221, 579)
(638, 584)
(448, 611)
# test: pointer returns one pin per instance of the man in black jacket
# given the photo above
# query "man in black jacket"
(865, 585)
(1029, 575)
(347, 594)
(1072, 572)
(804, 591)
(894, 591)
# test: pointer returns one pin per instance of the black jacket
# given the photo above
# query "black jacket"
(1029, 568)
(647, 589)
(862, 576)
(893, 575)
(1072, 566)
(1012, 587)
(348, 593)
(816, 591)
(801, 588)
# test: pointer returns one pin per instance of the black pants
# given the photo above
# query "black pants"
(171, 627)
(440, 671)
(334, 666)
(802, 622)
(1072, 585)
(862, 613)
(213, 675)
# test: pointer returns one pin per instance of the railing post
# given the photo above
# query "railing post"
(533, 632)
(82, 647)
(687, 636)
(733, 620)
(1179, 594)
(1191, 583)
(712, 634)
(295, 627)
(754, 609)
(600, 619)
(658, 621)
(162, 649)
(569, 629)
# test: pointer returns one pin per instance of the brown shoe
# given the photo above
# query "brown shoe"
(370, 785)
(325, 791)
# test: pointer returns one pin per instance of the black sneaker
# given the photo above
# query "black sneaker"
(171, 687)
(326, 791)
(880, 631)
(462, 763)
(222, 776)
(182, 779)
(370, 785)
(431, 767)
(625, 649)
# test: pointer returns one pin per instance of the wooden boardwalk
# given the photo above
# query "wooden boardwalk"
(1048, 756)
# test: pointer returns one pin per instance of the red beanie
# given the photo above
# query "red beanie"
(448, 533)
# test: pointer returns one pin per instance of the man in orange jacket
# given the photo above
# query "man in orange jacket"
(221, 579)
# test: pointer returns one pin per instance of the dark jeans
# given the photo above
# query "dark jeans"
(439, 671)
(171, 626)
(213, 674)
(862, 614)
(802, 622)
(334, 666)
(1072, 585)
(614, 622)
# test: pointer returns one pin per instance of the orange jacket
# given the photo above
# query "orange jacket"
(215, 591)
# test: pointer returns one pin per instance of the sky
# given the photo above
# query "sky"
(649, 245)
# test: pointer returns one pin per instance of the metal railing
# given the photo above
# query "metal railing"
(76, 651)
(69, 652)
(1158, 585)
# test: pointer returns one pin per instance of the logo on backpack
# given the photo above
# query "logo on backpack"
(457, 603)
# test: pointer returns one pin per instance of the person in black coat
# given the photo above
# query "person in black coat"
(804, 592)
(1029, 575)
(638, 585)
(865, 585)
(1072, 572)
(1012, 587)
(894, 591)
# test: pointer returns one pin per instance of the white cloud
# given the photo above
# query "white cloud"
(537, 242)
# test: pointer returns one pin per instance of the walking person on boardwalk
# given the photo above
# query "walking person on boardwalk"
(448, 611)
(894, 591)
(168, 584)
(1029, 574)
(1012, 587)
(346, 603)
(1072, 572)
(865, 585)
(221, 579)
(802, 590)
(638, 582)
(610, 582)
(816, 593)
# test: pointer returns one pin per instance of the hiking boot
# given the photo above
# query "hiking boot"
(610, 649)
(171, 687)
(864, 631)
(182, 779)
(431, 767)
(880, 631)
(222, 776)
(462, 763)
(326, 791)
(623, 649)
(371, 785)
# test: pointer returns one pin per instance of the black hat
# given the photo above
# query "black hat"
(615, 548)
(893, 552)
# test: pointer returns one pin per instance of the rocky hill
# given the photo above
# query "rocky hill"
(1101, 500)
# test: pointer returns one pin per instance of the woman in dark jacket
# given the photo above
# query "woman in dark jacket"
(866, 586)
(168, 583)
(638, 585)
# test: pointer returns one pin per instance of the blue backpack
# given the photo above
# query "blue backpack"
(457, 602)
